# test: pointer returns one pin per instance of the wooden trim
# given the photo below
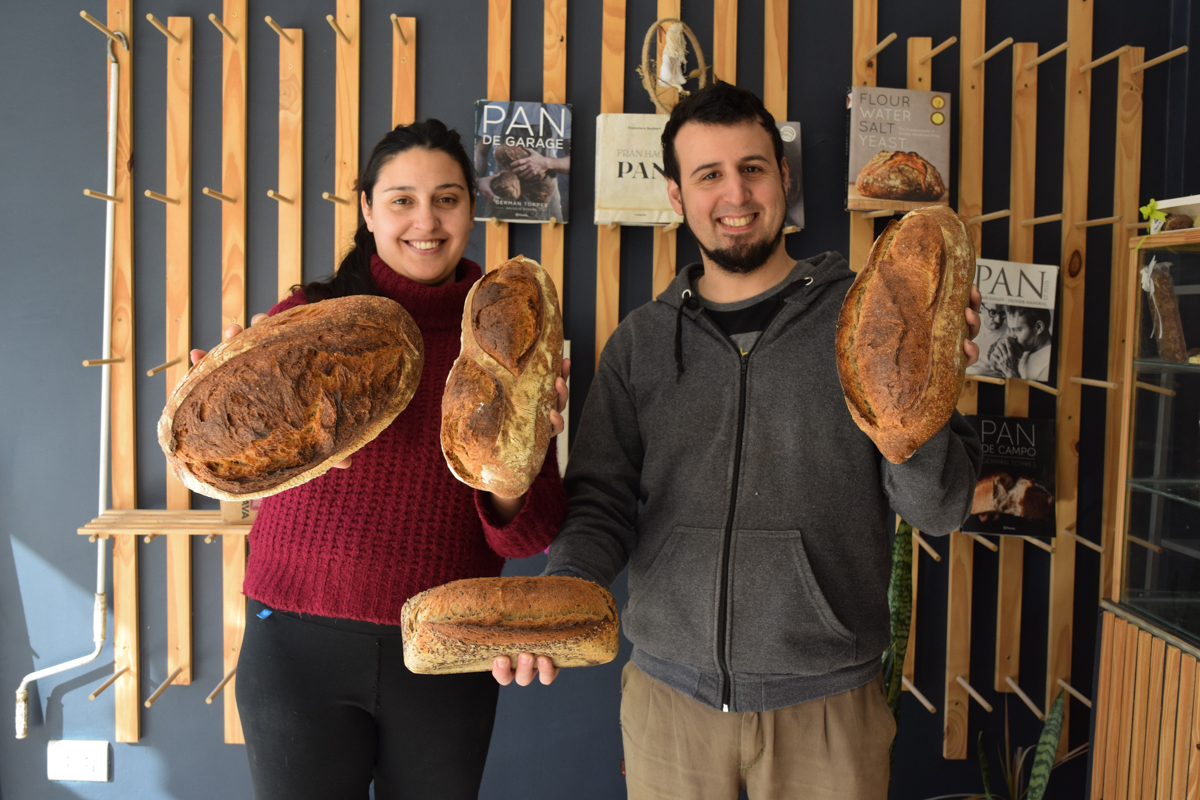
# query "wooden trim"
(1128, 686)
(1185, 747)
(1130, 319)
(233, 558)
(1141, 711)
(862, 228)
(1154, 718)
(724, 48)
(345, 135)
(1104, 688)
(1170, 707)
(234, 61)
(608, 238)
(960, 564)
(498, 88)
(775, 58)
(554, 90)
(404, 71)
(970, 117)
(291, 160)
(1117, 716)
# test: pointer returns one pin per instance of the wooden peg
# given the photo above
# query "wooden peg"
(1085, 542)
(149, 537)
(1154, 388)
(224, 31)
(108, 682)
(670, 227)
(209, 539)
(988, 379)
(101, 196)
(162, 198)
(1036, 542)
(971, 691)
(101, 27)
(877, 49)
(1071, 690)
(1029, 223)
(924, 545)
(275, 27)
(274, 195)
(222, 197)
(333, 198)
(228, 677)
(1049, 54)
(937, 50)
(1178, 51)
(883, 212)
(1120, 51)
(1037, 712)
(1040, 385)
(333, 24)
(1094, 382)
(989, 217)
(790, 229)
(162, 687)
(399, 30)
(930, 707)
(553, 221)
(92, 539)
(163, 29)
(1092, 223)
(150, 373)
(1148, 545)
(612, 226)
(979, 61)
(495, 222)
(988, 543)
(99, 362)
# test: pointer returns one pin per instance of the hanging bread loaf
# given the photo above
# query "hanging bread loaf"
(500, 392)
(900, 333)
(464, 625)
(282, 402)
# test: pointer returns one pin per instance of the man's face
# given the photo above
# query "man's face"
(731, 192)
(1024, 331)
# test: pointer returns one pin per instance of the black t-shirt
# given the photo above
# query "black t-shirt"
(745, 320)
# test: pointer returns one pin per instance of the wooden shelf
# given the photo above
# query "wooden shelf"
(1185, 490)
(141, 522)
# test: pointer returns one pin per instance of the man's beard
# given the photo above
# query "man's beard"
(741, 259)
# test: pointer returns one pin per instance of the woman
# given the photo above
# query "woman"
(326, 703)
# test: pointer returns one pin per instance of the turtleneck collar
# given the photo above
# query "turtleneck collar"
(431, 307)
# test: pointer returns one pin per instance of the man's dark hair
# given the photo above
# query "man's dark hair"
(719, 103)
(1031, 315)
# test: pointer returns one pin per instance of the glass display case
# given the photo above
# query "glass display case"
(1160, 509)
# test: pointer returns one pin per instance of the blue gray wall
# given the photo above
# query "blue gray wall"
(556, 742)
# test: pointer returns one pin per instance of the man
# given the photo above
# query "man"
(716, 457)
(1025, 351)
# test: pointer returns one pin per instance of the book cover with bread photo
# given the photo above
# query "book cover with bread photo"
(522, 160)
(897, 149)
(1016, 332)
(1014, 495)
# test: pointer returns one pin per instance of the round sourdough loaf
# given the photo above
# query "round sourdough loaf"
(282, 402)
(464, 625)
(500, 391)
(901, 329)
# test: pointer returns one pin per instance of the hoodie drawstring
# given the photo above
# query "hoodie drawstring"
(687, 300)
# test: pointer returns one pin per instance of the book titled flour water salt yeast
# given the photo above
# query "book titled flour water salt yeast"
(897, 149)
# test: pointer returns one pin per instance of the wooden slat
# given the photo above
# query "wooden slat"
(345, 134)
(1131, 319)
(955, 743)
(1102, 703)
(910, 657)
(1141, 691)
(1193, 778)
(233, 559)
(234, 62)
(291, 160)
(608, 240)
(970, 117)
(775, 58)
(1070, 352)
(1118, 713)
(404, 72)
(554, 90)
(724, 48)
(1170, 706)
(1185, 714)
(1154, 718)
(664, 240)
(862, 230)
(498, 88)
(1126, 180)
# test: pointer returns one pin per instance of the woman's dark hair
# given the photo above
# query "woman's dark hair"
(353, 275)
(719, 103)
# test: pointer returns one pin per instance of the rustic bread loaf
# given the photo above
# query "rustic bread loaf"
(900, 176)
(901, 329)
(506, 154)
(285, 400)
(500, 391)
(506, 185)
(538, 191)
(464, 625)
(1000, 493)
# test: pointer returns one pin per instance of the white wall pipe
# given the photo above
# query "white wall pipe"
(100, 604)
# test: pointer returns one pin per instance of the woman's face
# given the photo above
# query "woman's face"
(421, 215)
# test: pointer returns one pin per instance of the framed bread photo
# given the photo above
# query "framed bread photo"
(1014, 495)
(897, 149)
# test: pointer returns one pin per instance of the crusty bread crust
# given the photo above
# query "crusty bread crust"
(464, 625)
(891, 175)
(381, 320)
(500, 392)
(901, 328)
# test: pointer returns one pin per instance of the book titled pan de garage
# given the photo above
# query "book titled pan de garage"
(897, 148)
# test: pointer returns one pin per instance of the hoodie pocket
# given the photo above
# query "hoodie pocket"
(672, 600)
(780, 621)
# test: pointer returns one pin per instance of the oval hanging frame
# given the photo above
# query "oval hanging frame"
(650, 80)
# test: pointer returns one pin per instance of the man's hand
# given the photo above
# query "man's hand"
(972, 313)
(484, 185)
(533, 165)
(234, 330)
(1005, 356)
(503, 673)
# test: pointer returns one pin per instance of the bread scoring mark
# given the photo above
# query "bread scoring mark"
(506, 313)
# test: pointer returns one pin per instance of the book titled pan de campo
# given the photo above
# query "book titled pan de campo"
(898, 149)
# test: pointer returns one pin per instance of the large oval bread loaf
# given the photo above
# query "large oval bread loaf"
(900, 333)
(464, 625)
(500, 391)
(282, 402)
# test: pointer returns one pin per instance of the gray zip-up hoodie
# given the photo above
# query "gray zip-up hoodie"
(751, 510)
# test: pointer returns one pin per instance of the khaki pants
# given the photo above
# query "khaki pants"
(677, 748)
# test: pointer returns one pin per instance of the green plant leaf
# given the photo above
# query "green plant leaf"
(1043, 759)
(900, 605)
(984, 768)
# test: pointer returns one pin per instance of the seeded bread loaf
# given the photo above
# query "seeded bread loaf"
(282, 402)
(500, 391)
(901, 329)
(464, 625)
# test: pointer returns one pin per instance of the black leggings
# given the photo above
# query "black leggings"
(327, 706)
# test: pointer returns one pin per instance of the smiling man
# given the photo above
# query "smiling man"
(715, 456)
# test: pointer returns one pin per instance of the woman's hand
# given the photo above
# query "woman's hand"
(229, 333)
(972, 313)
(503, 672)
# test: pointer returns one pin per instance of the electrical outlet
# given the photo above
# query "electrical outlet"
(76, 760)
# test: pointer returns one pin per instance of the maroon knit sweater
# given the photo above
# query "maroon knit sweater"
(356, 543)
